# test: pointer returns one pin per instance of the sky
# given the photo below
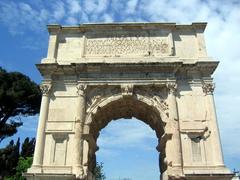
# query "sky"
(24, 39)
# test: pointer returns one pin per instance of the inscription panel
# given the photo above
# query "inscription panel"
(128, 43)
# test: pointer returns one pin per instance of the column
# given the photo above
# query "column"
(176, 150)
(208, 89)
(40, 139)
(78, 137)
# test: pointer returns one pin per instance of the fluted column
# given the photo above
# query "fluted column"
(40, 139)
(78, 137)
(176, 150)
(208, 89)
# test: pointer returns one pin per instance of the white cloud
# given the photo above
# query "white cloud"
(123, 134)
(90, 6)
(107, 18)
(131, 6)
(71, 20)
(59, 11)
(74, 6)
(101, 6)
(29, 124)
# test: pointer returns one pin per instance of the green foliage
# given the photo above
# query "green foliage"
(22, 166)
(98, 172)
(19, 96)
(28, 147)
(12, 165)
(9, 158)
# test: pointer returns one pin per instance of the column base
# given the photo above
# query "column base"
(175, 171)
(79, 172)
(57, 172)
(35, 169)
(209, 176)
(206, 170)
(208, 173)
(43, 176)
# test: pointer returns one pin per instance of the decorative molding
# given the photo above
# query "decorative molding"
(45, 88)
(60, 136)
(96, 94)
(127, 89)
(201, 134)
(155, 94)
(81, 89)
(172, 87)
(208, 88)
(59, 144)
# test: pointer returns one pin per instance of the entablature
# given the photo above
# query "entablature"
(128, 71)
(125, 42)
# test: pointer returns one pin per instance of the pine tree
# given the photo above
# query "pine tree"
(98, 172)
(19, 96)
(9, 158)
(28, 147)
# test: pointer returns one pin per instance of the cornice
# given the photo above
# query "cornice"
(127, 25)
(205, 67)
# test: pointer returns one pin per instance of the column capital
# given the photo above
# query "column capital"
(45, 88)
(81, 89)
(172, 87)
(208, 88)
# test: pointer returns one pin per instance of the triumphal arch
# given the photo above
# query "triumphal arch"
(159, 73)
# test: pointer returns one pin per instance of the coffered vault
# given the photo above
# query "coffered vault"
(159, 73)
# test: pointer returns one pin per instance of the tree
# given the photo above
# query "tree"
(22, 166)
(9, 158)
(28, 147)
(19, 96)
(98, 172)
(12, 162)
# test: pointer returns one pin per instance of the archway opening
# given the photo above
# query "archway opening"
(127, 148)
(127, 107)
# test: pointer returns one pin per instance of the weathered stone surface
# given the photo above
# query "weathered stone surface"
(157, 72)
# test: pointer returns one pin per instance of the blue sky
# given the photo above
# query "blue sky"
(24, 41)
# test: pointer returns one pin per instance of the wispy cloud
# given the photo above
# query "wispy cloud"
(132, 133)
(29, 124)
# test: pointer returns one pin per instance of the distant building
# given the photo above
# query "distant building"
(236, 176)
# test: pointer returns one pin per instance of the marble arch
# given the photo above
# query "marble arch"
(159, 73)
(148, 104)
(124, 107)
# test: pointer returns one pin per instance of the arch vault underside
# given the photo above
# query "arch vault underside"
(158, 73)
